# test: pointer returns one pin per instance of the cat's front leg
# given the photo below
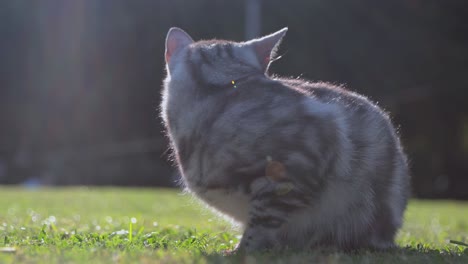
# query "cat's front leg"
(271, 204)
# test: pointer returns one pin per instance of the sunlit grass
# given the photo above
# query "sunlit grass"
(161, 225)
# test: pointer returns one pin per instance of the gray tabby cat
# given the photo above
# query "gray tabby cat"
(298, 164)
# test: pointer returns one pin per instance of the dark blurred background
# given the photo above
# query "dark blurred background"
(80, 80)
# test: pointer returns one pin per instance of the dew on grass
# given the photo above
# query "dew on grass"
(133, 220)
(108, 219)
(98, 227)
(49, 220)
(120, 232)
(150, 234)
(155, 223)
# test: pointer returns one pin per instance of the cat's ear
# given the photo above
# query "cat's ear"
(176, 40)
(265, 47)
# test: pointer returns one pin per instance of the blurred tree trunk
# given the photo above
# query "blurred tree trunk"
(253, 18)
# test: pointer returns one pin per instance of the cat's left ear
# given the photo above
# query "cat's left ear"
(176, 40)
(265, 47)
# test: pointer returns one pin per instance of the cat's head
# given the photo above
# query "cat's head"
(218, 62)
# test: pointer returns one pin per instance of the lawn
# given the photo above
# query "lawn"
(113, 225)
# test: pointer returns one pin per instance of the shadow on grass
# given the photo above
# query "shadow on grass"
(419, 254)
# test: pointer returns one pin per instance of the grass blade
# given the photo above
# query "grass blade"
(458, 243)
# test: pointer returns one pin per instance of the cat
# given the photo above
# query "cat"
(298, 164)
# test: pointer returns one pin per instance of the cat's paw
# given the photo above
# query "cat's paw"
(257, 240)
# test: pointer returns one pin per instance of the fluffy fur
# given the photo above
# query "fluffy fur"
(298, 164)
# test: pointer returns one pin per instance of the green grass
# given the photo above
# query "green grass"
(111, 225)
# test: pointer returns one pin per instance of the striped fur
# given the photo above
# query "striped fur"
(343, 179)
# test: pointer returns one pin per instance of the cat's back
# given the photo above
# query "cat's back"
(365, 138)
(331, 94)
(362, 116)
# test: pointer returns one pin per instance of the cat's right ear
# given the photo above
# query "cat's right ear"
(265, 47)
(176, 40)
